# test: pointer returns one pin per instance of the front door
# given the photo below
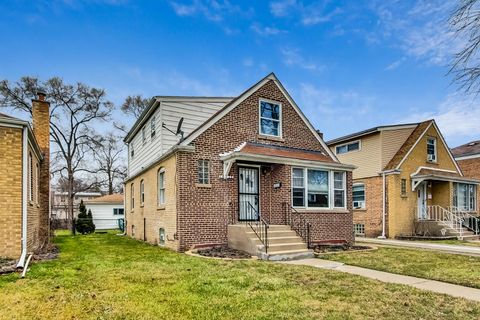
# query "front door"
(248, 194)
(421, 201)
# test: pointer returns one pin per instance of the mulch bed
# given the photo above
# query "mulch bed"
(223, 252)
(338, 248)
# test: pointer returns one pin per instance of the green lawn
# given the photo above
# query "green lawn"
(107, 276)
(455, 242)
(453, 268)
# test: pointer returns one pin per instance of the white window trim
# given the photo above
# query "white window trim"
(474, 193)
(435, 145)
(203, 171)
(347, 143)
(331, 200)
(132, 196)
(364, 196)
(161, 201)
(142, 193)
(280, 127)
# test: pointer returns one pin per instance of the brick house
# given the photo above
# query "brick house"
(249, 171)
(24, 182)
(468, 158)
(407, 183)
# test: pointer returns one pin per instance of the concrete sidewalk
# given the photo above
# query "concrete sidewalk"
(439, 247)
(424, 284)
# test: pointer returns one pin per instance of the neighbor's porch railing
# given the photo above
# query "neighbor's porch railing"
(469, 221)
(440, 214)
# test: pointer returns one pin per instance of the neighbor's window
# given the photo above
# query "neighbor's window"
(298, 191)
(152, 127)
(464, 196)
(142, 192)
(144, 135)
(359, 196)
(132, 196)
(403, 187)
(339, 189)
(432, 149)
(344, 148)
(161, 186)
(359, 229)
(132, 152)
(118, 211)
(30, 177)
(37, 183)
(203, 172)
(270, 118)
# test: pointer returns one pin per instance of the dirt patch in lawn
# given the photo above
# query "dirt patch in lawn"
(224, 253)
(323, 249)
(7, 265)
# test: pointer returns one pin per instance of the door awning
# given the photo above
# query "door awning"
(424, 174)
(262, 153)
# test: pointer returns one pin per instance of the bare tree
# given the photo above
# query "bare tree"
(108, 153)
(465, 20)
(134, 105)
(73, 111)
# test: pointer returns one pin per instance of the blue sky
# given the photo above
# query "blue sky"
(350, 65)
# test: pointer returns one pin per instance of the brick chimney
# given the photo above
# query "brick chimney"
(41, 130)
(320, 133)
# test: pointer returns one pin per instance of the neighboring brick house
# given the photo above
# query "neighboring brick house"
(24, 182)
(242, 164)
(406, 182)
(468, 158)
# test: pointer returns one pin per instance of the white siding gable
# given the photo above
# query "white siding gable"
(195, 111)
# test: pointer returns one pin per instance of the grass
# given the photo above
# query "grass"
(454, 242)
(112, 277)
(452, 268)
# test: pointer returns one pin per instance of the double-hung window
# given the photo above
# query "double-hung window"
(161, 186)
(132, 196)
(431, 149)
(312, 188)
(270, 118)
(464, 196)
(203, 171)
(152, 127)
(142, 193)
(132, 151)
(359, 196)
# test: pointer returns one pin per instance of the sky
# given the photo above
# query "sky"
(349, 65)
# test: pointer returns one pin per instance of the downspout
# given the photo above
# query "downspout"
(21, 261)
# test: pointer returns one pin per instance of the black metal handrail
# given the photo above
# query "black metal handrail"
(298, 223)
(259, 226)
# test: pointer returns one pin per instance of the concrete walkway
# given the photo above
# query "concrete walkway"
(424, 284)
(440, 247)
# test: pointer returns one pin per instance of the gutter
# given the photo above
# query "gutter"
(384, 200)
(21, 260)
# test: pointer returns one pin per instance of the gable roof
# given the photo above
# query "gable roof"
(468, 149)
(107, 199)
(411, 142)
(235, 102)
(370, 131)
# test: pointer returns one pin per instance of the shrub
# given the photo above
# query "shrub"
(84, 223)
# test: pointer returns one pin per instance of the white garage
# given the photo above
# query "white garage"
(106, 211)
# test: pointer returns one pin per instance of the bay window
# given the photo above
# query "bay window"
(312, 188)
(464, 196)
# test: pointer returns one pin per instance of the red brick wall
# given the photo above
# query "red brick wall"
(204, 213)
(371, 216)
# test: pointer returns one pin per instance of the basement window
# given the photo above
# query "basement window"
(359, 229)
(161, 237)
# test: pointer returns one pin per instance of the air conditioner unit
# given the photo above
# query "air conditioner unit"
(431, 157)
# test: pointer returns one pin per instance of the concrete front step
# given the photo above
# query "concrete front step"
(287, 246)
(287, 255)
(277, 240)
(276, 233)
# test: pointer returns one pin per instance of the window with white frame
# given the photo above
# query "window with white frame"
(203, 171)
(161, 186)
(142, 193)
(152, 127)
(270, 118)
(348, 147)
(359, 229)
(358, 196)
(311, 188)
(144, 135)
(431, 149)
(465, 196)
(30, 177)
(132, 196)
(118, 211)
(339, 189)
(37, 183)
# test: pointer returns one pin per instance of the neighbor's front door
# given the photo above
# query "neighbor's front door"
(248, 193)
(421, 201)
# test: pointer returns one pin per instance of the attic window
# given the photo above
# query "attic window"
(431, 150)
(348, 147)
(270, 118)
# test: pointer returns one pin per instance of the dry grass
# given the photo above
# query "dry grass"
(112, 277)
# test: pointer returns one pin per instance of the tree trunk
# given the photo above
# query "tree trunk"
(70, 197)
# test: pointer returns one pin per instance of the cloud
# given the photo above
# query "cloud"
(266, 31)
(394, 65)
(293, 57)
(308, 14)
(247, 62)
(457, 116)
(213, 10)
